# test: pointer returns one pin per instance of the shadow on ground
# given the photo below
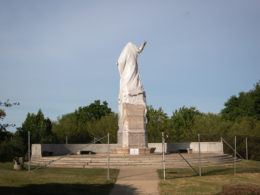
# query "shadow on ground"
(53, 188)
(123, 190)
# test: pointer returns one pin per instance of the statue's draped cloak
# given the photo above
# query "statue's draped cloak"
(130, 83)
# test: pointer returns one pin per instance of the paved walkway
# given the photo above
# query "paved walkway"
(136, 180)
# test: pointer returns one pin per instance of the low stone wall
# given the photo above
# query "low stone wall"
(62, 149)
(205, 147)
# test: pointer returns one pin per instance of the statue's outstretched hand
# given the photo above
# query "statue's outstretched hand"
(142, 47)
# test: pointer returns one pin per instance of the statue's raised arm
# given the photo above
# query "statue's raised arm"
(142, 47)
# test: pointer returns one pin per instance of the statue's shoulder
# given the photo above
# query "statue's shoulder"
(129, 44)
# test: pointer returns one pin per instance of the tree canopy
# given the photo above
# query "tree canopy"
(246, 104)
(86, 123)
(7, 103)
(40, 128)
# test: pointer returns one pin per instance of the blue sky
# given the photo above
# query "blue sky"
(58, 55)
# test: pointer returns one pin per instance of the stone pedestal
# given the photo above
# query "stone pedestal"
(132, 130)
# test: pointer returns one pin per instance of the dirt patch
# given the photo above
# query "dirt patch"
(240, 189)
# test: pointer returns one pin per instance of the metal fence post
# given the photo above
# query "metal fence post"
(163, 151)
(66, 139)
(108, 157)
(199, 156)
(221, 140)
(235, 155)
(246, 150)
(29, 152)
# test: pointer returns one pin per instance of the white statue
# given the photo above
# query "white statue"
(131, 89)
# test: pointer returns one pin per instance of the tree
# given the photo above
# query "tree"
(69, 126)
(11, 148)
(3, 126)
(157, 121)
(183, 121)
(210, 127)
(246, 104)
(83, 124)
(107, 124)
(40, 128)
(93, 112)
(11, 145)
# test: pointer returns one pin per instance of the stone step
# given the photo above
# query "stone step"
(128, 165)
(132, 164)
(134, 161)
(159, 165)
(138, 158)
(172, 160)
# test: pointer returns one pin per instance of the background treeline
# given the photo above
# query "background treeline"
(240, 117)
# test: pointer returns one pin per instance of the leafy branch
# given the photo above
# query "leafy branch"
(7, 103)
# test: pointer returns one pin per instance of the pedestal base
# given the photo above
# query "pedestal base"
(132, 127)
(132, 139)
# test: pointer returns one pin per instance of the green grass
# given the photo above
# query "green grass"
(212, 181)
(55, 180)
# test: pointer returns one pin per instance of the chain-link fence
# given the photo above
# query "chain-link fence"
(234, 159)
(247, 147)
